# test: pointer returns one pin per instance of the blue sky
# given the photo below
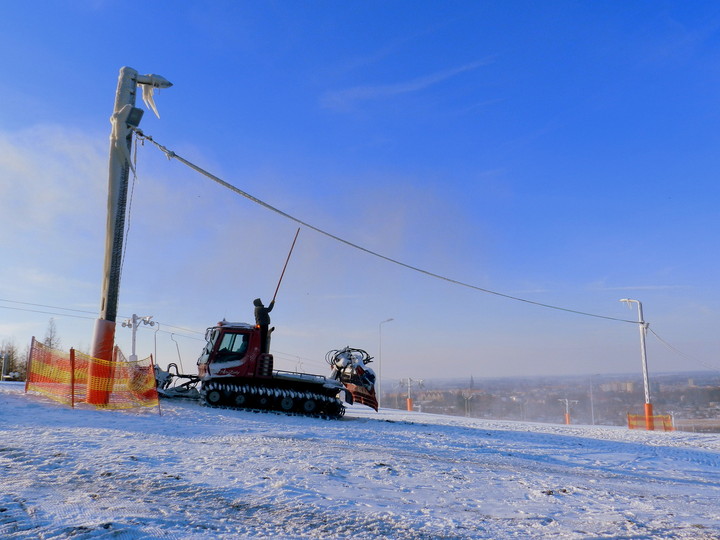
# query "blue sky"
(561, 152)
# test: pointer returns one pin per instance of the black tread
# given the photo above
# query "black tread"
(269, 399)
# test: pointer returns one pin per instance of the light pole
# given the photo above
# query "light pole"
(172, 337)
(157, 328)
(379, 378)
(642, 325)
(592, 404)
(133, 323)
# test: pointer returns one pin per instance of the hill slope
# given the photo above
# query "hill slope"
(196, 472)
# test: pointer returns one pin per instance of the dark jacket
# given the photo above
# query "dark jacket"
(262, 316)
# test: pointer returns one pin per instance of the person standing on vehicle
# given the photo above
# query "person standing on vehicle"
(262, 319)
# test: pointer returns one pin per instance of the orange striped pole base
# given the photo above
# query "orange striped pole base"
(649, 423)
(99, 373)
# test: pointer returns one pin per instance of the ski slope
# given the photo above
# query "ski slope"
(195, 472)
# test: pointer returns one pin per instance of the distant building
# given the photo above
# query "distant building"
(627, 387)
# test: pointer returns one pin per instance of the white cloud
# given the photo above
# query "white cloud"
(51, 177)
(343, 99)
(603, 287)
(53, 183)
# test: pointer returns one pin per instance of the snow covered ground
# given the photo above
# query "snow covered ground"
(196, 472)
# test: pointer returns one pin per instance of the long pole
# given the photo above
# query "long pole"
(642, 326)
(118, 174)
(567, 408)
(649, 424)
(134, 320)
(409, 398)
(286, 263)
(155, 339)
(643, 352)
(592, 405)
(379, 377)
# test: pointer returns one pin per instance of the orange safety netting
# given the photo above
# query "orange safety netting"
(73, 377)
(659, 422)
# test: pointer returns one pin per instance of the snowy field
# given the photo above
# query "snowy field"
(196, 472)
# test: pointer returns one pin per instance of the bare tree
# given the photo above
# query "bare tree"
(12, 359)
(51, 338)
(21, 362)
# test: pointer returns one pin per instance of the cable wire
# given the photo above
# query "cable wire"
(86, 317)
(172, 155)
(129, 206)
(44, 305)
(684, 355)
(48, 312)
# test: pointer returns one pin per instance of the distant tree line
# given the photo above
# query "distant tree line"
(15, 361)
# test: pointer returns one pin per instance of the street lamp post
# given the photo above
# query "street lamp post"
(592, 404)
(379, 377)
(172, 337)
(157, 328)
(642, 325)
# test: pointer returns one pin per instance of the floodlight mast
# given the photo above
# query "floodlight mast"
(124, 115)
(133, 323)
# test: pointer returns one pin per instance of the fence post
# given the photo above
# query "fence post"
(28, 368)
(72, 378)
(152, 367)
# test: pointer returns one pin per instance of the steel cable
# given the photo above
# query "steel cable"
(172, 155)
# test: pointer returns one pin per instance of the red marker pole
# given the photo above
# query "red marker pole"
(286, 263)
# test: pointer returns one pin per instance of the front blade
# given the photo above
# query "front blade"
(362, 395)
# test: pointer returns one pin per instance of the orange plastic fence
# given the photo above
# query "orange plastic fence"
(660, 422)
(64, 378)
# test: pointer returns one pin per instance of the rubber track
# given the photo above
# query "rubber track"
(330, 408)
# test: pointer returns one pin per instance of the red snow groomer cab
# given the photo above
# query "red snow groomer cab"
(233, 372)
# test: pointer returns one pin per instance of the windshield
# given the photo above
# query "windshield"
(232, 347)
(210, 337)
